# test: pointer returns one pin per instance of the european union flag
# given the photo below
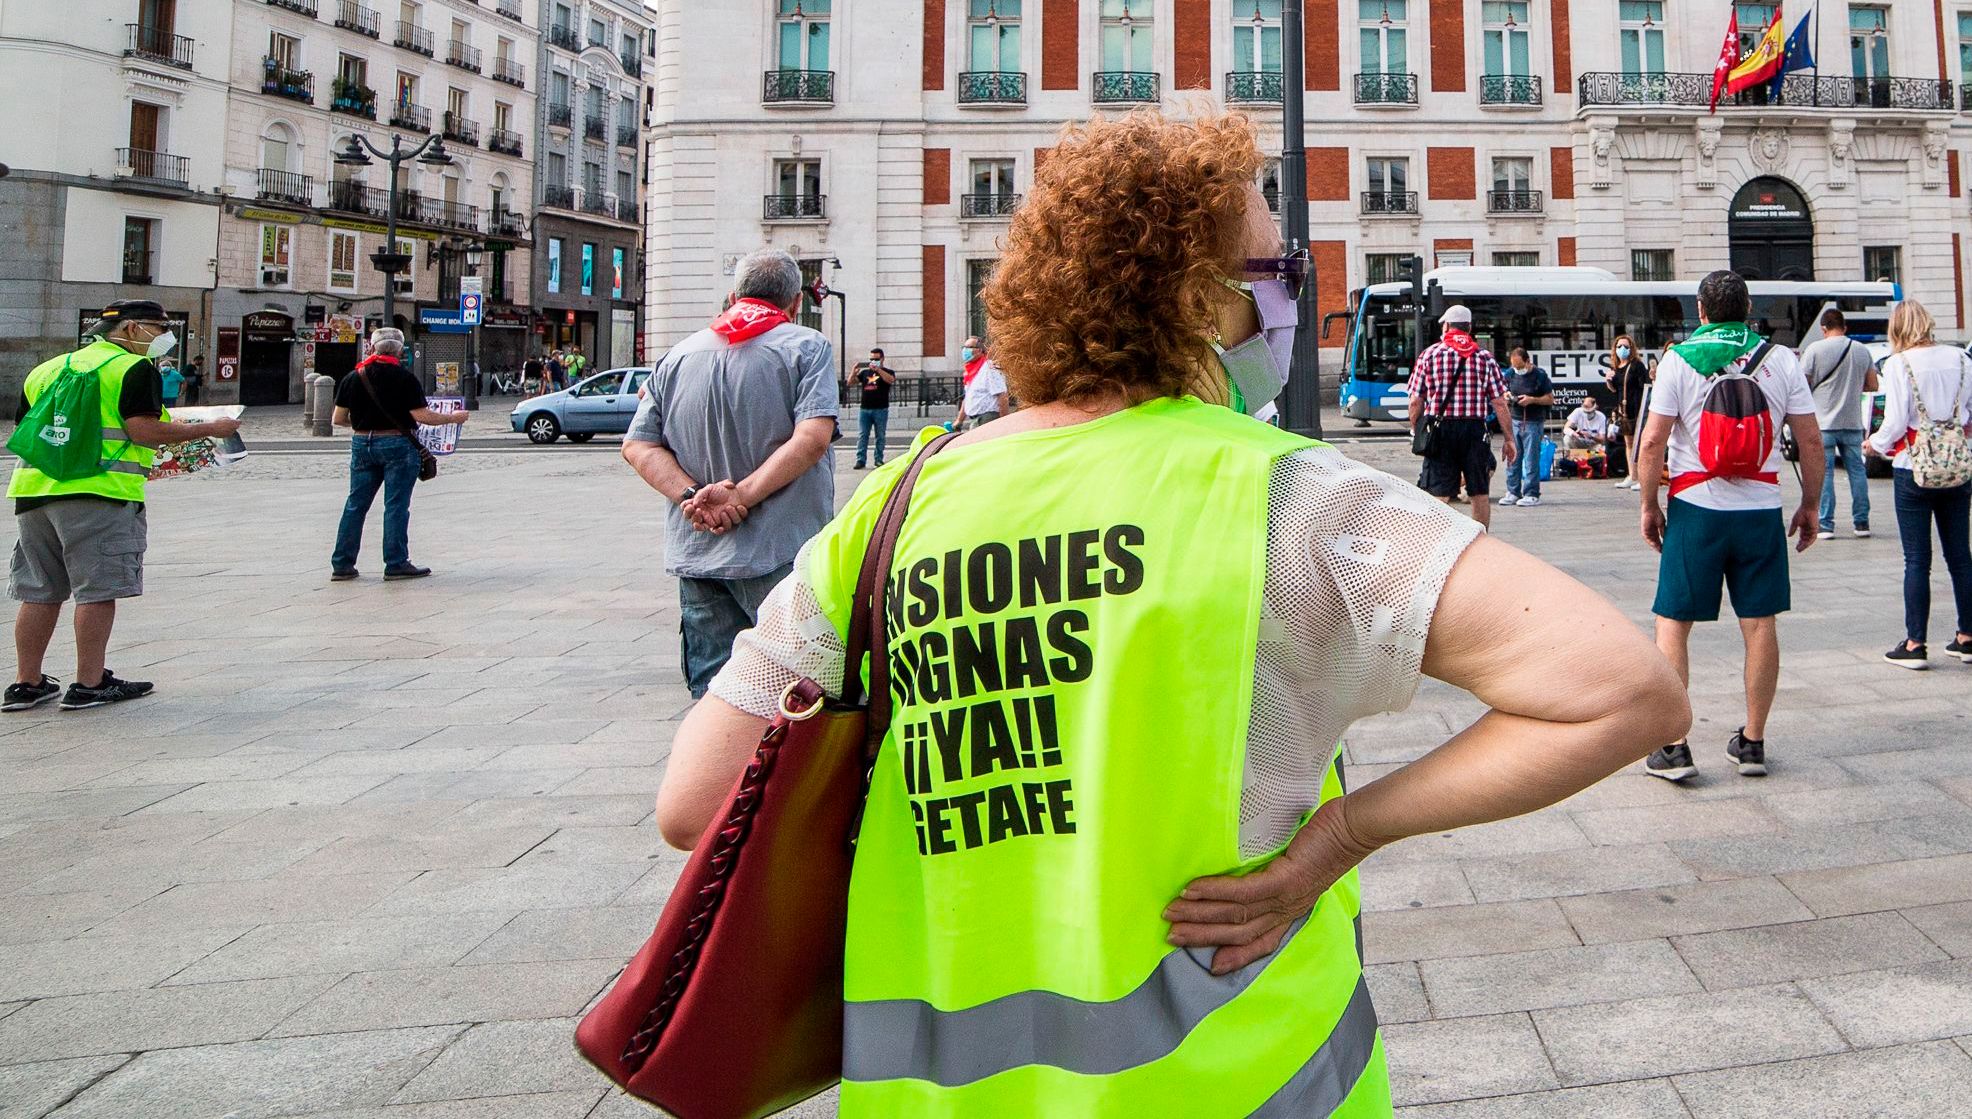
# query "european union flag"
(1797, 55)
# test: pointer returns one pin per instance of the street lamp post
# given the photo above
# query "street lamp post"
(387, 260)
(1301, 404)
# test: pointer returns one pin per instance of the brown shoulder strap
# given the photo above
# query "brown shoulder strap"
(868, 629)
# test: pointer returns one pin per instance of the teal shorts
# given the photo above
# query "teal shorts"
(1710, 550)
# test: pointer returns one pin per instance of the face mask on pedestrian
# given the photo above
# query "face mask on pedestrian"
(966, 354)
(1623, 352)
(161, 345)
(1257, 368)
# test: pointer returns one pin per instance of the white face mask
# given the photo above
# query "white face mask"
(162, 345)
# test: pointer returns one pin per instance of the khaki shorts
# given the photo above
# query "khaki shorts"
(87, 548)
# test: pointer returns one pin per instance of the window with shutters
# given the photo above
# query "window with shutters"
(276, 255)
(344, 248)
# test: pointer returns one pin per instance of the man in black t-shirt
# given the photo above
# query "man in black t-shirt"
(383, 403)
(874, 379)
(1529, 395)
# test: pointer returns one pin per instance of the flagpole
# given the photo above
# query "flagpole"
(1817, 66)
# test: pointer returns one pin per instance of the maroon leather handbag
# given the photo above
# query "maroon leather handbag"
(733, 1008)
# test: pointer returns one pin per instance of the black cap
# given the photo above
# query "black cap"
(133, 310)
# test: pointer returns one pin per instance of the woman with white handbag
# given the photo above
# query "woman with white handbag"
(1927, 415)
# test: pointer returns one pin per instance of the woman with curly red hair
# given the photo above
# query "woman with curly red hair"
(1106, 862)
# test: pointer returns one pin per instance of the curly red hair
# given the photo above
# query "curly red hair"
(1111, 269)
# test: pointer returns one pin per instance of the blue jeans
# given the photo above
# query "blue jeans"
(389, 462)
(1917, 507)
(1523, 477)
(872, 419)
(711, 612)
(1848, 441)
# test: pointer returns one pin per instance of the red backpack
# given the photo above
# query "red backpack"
(1736, 432)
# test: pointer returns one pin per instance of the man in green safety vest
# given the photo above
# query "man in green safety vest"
(83, 537)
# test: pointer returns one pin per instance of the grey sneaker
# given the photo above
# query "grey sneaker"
(1672, 763)
(1751, 755)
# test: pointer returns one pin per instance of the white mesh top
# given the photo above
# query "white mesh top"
(1355, 562)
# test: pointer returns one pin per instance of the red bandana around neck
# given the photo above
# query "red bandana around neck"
(748, 318)
(973, 367)
(1461, 343)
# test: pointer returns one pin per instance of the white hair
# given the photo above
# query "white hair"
(768, 275)
(388, 341)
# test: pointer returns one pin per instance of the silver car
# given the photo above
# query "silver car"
(600, 405)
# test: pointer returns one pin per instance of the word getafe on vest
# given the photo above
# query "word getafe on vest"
(982, 640)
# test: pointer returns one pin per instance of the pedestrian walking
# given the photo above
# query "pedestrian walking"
(576, 365)
(1839, 370)
(534, 371)
(1927, 416)
(1628, 379)
(82, 529)
(735, 433)
(1101, 853)
(1716, 410)
(985, 397)
(382, 403)
(1530, 393)
(557, 371)
(873, 379)
(1454, 387)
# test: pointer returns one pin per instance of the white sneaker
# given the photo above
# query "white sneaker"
(1529, 502)
(1509, 499)
(1636, 485)
(1622, 483)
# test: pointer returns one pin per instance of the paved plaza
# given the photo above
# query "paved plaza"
(372, 849)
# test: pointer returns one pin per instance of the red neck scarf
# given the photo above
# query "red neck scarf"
(748, 318)
(973, 367)
(1461, 343)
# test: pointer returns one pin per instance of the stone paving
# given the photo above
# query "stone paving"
(372, 849)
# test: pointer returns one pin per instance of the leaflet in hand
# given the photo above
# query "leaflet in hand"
(444, 438)
(194, 455)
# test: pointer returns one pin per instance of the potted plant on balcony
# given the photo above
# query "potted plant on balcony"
(350, 96)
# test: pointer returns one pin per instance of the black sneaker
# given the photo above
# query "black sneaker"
(406, 571)
(1960, 649)
(111, 690)
(1750, 754)
(1862, 532)
(1903, 656)
(21, 697)
(343, 575)
(860, 466)
(1672, 763)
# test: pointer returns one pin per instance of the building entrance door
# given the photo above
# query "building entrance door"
(1772, 232)
(266, 357)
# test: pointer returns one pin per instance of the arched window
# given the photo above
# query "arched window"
(497, 195)
(277, 148)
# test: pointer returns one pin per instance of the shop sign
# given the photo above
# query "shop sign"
(226, 363)
(442, 320)
(268, 325)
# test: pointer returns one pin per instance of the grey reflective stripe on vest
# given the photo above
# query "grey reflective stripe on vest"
(907, 1038)
(1331, 1074)
(115, 435)
(121, 466)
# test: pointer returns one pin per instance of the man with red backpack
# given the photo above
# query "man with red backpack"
(1715, 418)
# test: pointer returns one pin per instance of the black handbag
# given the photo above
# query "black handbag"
(1427, 437)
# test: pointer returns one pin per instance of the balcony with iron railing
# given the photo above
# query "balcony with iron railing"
(509, 71)
(795, 207)
(510, 9)
(1256, 87)
(1797, 92)
(352, 15)
(502, 222)
(559, 195)
(277, 80)
(352, 197)
(158, 44)
(451, 215)
(632, 65)
(356, 100)
(304, 7)
(158, 167)
(992, 88)
(599, 38)
(1127, 87)
(1386, 89)
(988, 206)
(286, 186)
(594, 201)
(505, 141)
(625, 209)
(594, 128)
(560, 115)
(626, 135)
(1510, 91)
(456, 126)
(463, 55)
(417, 118)
(563, 37)
(1514, 202)
(414, 38)
(1402, 202)
(798, 87)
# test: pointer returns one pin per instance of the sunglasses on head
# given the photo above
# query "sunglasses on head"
(1292, 269)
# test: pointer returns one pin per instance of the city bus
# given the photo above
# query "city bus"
(1567, 319)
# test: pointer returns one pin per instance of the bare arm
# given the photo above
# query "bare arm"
(1870, 382)
(658, 467)
(438, 419)
(789, 461)
(150, 431)
(340, 417)
(1552, 731)
(1806, 525)
(1650, 452)
(711, 746)
(1001, 402)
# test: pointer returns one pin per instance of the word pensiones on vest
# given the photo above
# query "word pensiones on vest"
(985, 637)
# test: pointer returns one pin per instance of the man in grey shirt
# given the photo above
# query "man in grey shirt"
(1839, 370)
(735, 432)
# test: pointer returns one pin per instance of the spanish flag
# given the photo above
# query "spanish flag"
(1759, 67)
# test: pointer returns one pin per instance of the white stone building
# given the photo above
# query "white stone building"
(296, 285)
(114, 138)
(894, 137)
